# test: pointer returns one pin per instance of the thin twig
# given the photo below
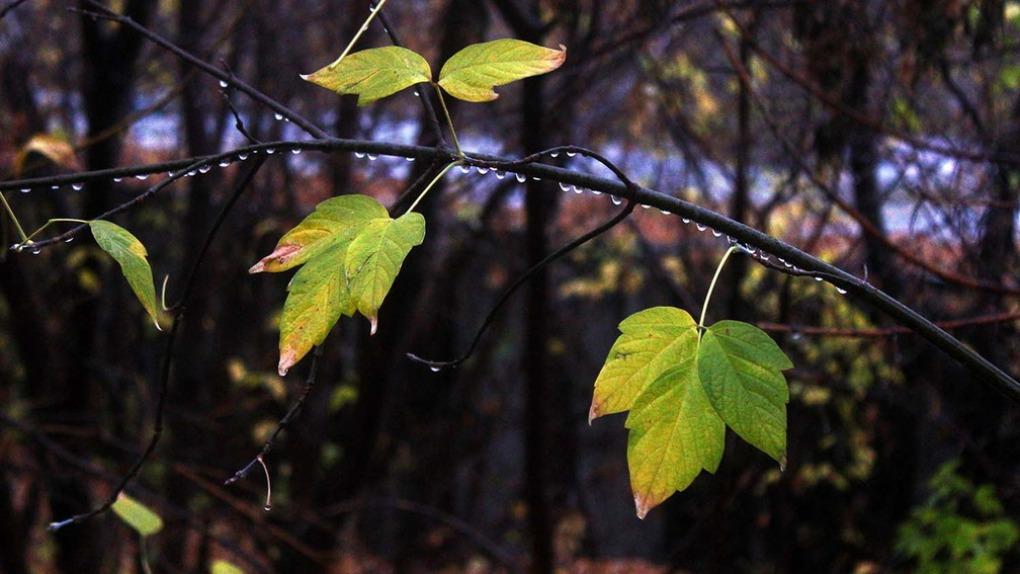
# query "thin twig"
(164, 380)
(292, 412)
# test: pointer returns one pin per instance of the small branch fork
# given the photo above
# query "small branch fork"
(292, 412)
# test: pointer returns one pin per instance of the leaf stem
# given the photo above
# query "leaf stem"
(711, 286)
(431, 185)
(372, 13)
(28, 238)
(14, 218)
(449, 120)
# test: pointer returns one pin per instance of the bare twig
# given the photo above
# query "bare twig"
(164, 380)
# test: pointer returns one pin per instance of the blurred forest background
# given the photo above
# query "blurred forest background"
(882, 135)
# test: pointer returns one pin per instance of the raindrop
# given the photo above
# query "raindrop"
(435, 369)
(223, 84)
(685, 220)
(616, 200)
(190, 173)
(224, 163)
(716, 233)
(521, 177)
(500, 174)
(554, 154)
(69, 239)
(204, 169)
(242, 156)
(278, 116)
(701, 227)
(409, 159)
(417, 94)
(535, 178)
(77, 186)
(359, 155)
(270, 151)
(841, 291)
(372, 157)
(571, 154)
(646, 206)
(578, 189)
(296, 151)
(26, 189)
(731, 240)
(750, 250)
(55, 187)
(596, 192)
(819, 279)
(142, 176)
(482, 170)
(118, 179)
(36, 251)
(564, 186)
(783, 261)
(464, 168)
(764, 256)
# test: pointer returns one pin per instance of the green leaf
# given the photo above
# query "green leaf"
(137, 515)
(129, 252)
(472, 73)
(224, 567)
(652, 341)
(334, 221)
(741, 371)
(375, 257)
(675, 433)
(373, 74)
(317, 297)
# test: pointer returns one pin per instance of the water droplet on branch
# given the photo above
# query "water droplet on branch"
(223, 84)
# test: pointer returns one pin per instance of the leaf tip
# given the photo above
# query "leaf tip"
(287, 360)
(257, 268)
(374, 320)
(642, 506)
(593, 412)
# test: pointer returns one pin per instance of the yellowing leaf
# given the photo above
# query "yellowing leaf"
(56, 149)
(224, 567)
(375, 257)
(373, 74)
(334, 221)
(137, 515)
(741, 370)
(129, 252)
(652, 341)
(674, 434)
(317, 296)
(472, 73)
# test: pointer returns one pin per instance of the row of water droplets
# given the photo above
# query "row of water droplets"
(79, 186)
(749, 250)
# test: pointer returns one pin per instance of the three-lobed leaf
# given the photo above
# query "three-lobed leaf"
(682, 389)
(131, 255)
(472, 73)
(139, 517)
(350, 251)
(375, 257)
(374, 73)
(741, 369)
